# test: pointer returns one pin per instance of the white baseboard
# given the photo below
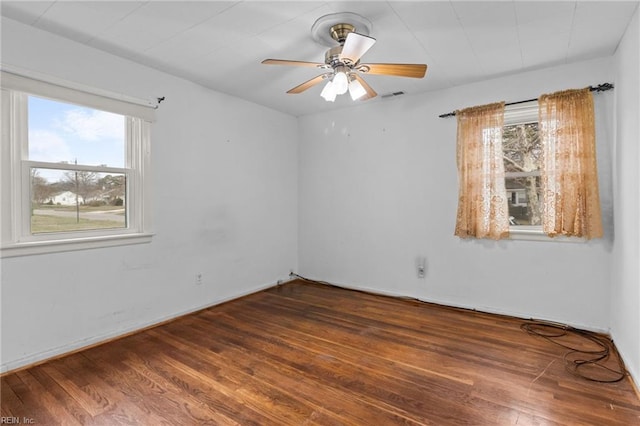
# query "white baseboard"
(485, 309)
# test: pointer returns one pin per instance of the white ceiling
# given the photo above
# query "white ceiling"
(220, 44)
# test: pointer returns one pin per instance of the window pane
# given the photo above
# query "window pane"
(525, 200)
(521, 147)
(69, 200)
(64, 133)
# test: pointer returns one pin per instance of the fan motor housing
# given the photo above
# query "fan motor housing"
(332, 56)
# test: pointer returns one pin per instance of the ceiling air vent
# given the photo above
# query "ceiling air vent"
(389, 95)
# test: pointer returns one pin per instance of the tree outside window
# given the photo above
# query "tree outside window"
(522, 153)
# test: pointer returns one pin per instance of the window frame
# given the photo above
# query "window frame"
(15, 214)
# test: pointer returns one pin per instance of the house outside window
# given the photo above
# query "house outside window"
(74, 169)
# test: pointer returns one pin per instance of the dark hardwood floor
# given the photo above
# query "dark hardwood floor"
(303, 353)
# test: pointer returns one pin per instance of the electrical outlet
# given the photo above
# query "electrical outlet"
(420, 267)
(198, 279)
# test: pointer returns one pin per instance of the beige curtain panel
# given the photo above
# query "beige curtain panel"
(482, 203)
(571, 202)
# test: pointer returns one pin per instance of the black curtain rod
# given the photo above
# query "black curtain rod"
(599, 88)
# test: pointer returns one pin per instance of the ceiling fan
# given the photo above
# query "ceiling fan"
(342, 62)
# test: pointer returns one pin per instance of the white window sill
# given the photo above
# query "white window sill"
(534, 233)
(72, 244)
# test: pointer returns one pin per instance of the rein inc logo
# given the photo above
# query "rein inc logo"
(17, 421)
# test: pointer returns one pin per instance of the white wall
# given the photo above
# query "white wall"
(625, 289)
(378, 188)
(225, 187)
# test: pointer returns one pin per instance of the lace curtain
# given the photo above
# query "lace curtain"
(482, 202)
(571, 202)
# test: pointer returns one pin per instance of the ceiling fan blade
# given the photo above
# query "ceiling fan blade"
(307, 84)
(356, 45)
(293, 63)
(398, 70)
(370, 92)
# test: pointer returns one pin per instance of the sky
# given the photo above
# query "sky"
(61, 132)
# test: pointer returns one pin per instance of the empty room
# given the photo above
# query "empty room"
(319, 212)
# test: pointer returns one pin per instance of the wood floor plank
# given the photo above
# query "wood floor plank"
(61, 398)
(154, 394)
(308, 354)
(432, 396)
(263, 366)
(13, 406)
(242, 365)
(35, 400)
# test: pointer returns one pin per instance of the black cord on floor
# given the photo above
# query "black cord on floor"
(577, 359)
(293, 274)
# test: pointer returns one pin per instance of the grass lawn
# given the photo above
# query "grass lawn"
(41, 224)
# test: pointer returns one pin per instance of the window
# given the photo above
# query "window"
(506, 156)
(522, 153)
(73, 168)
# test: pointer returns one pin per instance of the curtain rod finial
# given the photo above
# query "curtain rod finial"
(602, 87)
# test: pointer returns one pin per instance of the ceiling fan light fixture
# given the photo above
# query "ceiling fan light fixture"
(329, 92)
(356, 90)
(341, 82)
